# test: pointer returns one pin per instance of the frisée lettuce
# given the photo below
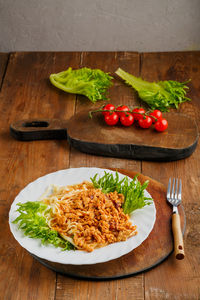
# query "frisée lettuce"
(33, 221)
(160, 95)
(133, 190)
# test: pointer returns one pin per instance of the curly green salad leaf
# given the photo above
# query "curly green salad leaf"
(160, 95)
(133, 190)
(33, 221)
(92, 83)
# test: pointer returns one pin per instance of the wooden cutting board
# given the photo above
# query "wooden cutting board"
(95, 137)
(155, 249)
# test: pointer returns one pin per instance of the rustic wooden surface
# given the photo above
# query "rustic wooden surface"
(26, 93)
(3, 64)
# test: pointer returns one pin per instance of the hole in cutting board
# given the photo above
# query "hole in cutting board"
(36, 124)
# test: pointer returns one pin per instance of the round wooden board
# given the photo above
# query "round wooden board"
(156, 248)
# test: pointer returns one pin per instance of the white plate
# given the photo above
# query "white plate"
(144, 219)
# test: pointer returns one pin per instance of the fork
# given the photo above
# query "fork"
(174, 198)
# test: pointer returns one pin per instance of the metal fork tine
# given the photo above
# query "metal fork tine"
(176, 190)
(179, 190)
(168, 189)
(173, 184)
(176, 193)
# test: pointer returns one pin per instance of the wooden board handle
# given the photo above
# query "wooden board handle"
(46, 129)
(178, 237)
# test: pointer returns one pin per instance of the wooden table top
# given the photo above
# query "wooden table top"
(25, 92)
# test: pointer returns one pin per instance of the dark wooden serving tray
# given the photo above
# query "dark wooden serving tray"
(95, 137)
(156, 248)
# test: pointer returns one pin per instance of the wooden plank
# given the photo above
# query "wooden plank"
(178, 279)
(3, 64)
(129, 288)
(119, 93)
(27, 93)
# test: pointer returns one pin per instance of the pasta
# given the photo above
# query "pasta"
(87, 217)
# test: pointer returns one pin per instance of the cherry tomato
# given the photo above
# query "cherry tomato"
(156, 114)
(127, 119)
(140, 111)
(122, 108)
(145, 122)
(111, 119)
(161, 125)
(108, 107)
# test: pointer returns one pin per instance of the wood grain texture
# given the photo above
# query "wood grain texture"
(178, 237)
(129, 288)
(3, 64)
(27, 92)
(178, 279)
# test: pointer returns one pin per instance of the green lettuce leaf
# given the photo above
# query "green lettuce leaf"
(133, 190)
(160, 95)
(32, 220)
(92, 83)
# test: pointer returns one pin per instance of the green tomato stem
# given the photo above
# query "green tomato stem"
(115, 110)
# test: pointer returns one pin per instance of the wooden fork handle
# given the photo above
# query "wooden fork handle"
(178, 237)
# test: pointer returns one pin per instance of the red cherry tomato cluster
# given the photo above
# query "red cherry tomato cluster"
(126, 117)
